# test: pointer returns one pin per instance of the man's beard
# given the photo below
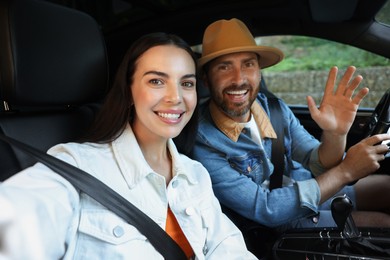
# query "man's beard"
(234, 110)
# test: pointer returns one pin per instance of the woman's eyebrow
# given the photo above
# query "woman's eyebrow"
(165, 75)
(155, 72)
(187, 76)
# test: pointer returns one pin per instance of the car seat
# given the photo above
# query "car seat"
(53, 76)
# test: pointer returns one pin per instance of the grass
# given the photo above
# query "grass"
(305, 53)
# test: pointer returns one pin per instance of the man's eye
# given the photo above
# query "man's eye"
(249, 64)
(222, 67)
(156, 81)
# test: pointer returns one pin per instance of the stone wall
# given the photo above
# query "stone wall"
(294, 87)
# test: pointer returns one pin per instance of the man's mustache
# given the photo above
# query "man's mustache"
(235, 87)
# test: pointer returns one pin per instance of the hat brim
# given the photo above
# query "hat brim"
(269, 56)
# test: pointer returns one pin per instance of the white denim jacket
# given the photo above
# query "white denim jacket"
(53, 221)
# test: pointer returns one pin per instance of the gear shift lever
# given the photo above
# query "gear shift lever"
(341, 211)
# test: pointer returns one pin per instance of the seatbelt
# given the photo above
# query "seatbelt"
(103, 194)
(277, 153)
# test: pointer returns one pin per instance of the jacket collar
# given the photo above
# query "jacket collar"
(233, 129)
(132, 162)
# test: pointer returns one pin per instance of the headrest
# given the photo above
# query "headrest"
(50, 55)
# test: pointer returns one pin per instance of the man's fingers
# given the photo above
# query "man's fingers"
(346, 86)
(343, 85)
(360, 96)
(331, 81)
(352, 86)
(376, 139)
(311, 104)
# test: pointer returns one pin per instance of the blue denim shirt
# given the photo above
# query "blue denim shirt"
(238, 169)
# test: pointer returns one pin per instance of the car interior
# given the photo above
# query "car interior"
(52, 77)
(57, 60)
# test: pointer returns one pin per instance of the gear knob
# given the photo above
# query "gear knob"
(342, 207)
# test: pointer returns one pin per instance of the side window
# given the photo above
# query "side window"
(383, 15)
(307, 61)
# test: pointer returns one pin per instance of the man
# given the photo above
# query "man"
(239, 164)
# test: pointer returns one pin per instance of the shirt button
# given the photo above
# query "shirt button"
(315, 219)
(190, 211)
(118, 231)
(174, 184)
(205, 249)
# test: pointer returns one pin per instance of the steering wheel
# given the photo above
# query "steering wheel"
(380, 118)
(379, 123)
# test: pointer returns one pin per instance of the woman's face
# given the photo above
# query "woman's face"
(164, 92)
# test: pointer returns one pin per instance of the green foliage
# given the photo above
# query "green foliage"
(306, 53)
(384, 14)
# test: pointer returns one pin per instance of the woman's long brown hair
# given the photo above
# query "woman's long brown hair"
(117, 109)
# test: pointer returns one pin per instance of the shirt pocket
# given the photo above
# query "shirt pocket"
(249, 164)
(102, 233)
(194, 227)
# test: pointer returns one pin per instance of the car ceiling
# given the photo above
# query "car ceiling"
(345, 21)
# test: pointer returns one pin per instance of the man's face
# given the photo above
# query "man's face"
(234, 82)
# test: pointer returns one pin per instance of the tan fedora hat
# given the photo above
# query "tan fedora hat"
(231, 36)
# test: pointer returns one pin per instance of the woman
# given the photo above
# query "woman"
(130, 149)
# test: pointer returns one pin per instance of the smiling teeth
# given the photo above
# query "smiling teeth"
(237, 92)
(169, 116)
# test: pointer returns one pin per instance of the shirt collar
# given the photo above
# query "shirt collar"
(233, 129)
(132, 162)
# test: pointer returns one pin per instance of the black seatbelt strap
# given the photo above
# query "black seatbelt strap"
(277, 153)
(103, 194)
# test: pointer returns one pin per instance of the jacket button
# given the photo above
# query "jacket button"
(118, 231)
(190, 211)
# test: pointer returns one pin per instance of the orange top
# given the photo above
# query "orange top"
(174, 231)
